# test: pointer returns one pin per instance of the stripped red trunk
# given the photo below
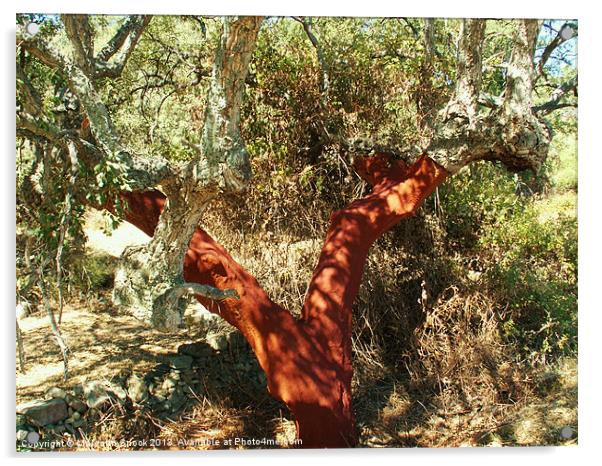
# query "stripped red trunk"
(308, 361)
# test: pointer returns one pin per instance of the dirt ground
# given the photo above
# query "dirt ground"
(102, 342)
(102, 345)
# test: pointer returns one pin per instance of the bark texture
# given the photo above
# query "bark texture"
(308, 361)
(149, 281)
(511, 133)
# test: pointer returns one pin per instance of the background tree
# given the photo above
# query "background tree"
(307, 359)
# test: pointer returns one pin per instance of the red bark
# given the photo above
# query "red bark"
(308, 361)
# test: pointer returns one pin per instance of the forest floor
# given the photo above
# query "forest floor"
(105, 345)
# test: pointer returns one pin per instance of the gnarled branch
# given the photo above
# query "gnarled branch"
(555, 102)
(561, 37)
(111, 60)
(225, 161)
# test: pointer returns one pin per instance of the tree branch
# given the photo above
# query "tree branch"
(43, 52)
(80, 34)
(490, 101)
(412, 27)
(429, 39)
(39, 126)
(450, 146)
(113, 57)
(307, 27)
(511, 133)
(469, 71)
(555, 102)
(224, 162)
(32, 102)
(206, 291)
(560, 38)
(519, 72)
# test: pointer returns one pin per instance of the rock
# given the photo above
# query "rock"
(169, 384)
(196, 350)
(137, 389)
(77, 405)
(78, 423)
(23, 309)
(78, 390)
(217, 342)
(96, 394)
(161, 369)
(175, 401)
(59, 429)
(56, 392)
(180, 362)
(45, 412)
(118, 391)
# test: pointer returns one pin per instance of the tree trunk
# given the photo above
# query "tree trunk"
(149, 281)
(149, 277)
(307, 361)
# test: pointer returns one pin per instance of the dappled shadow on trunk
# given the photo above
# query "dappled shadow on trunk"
(308, 361)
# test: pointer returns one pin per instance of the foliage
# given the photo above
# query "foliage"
(524, 248)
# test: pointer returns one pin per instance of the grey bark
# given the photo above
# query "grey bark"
(148, 277)
(512, 132)
(139, 171)
(112, 59)
(149, 281)
(429, 39)
(223, 162)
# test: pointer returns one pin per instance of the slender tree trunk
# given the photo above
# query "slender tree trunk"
(308, 361)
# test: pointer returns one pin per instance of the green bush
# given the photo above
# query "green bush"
(533, 271)
(523, 245)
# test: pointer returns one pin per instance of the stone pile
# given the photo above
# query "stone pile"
(166, 390)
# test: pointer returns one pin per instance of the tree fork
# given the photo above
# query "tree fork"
(308, 361)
